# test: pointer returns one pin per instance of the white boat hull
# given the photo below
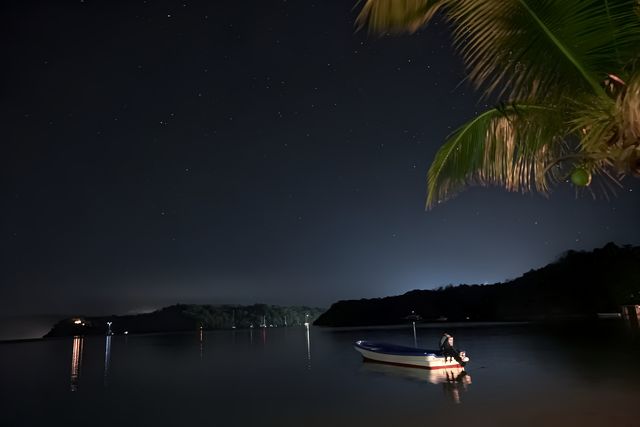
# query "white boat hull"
(425, 362)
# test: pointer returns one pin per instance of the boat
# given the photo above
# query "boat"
(408, 356)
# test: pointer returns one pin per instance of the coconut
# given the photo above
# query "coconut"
(581, 177)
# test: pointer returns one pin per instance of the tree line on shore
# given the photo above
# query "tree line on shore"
(185, 317)
(577, 285)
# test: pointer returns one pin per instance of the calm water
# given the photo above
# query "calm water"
(518, 375)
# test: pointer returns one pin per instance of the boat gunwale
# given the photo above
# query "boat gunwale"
(399, 349)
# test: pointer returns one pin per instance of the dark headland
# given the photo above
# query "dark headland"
(577, 285)
(187, 317)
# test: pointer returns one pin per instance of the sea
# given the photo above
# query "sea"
(581, 374)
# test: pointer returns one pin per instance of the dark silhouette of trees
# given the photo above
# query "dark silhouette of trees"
(578, 284)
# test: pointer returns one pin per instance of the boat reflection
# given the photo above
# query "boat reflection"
(76, 362)
(455, 381)
(456, 384)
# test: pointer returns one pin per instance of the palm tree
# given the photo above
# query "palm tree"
(564, 74)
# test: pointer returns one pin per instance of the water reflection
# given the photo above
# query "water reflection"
(455, 381)
(76, 362)
(631, 318)
(455, 384)
(107, 359)
(201, 343)
(308, 347)
(558, 376)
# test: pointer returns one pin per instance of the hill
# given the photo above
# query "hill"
(579, 284)
(186, 317)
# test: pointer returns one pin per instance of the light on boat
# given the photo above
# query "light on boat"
(77, 321)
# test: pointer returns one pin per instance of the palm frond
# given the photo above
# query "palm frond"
(573, 62)
(610, 128)
(542, 49)
(595, 121)
(511, 147)
(396, 16)
(629, 106)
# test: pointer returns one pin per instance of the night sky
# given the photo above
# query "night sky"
(156, 152)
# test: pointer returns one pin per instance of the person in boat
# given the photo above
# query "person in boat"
(448, 351)
(443, 339)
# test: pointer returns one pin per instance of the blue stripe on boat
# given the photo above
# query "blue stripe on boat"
(398, 350)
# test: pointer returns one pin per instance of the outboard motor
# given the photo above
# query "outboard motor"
(462, 358)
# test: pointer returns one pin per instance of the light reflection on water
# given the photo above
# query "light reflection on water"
(521, 376)
(308, 335)
(107, 359)
(76, 362)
